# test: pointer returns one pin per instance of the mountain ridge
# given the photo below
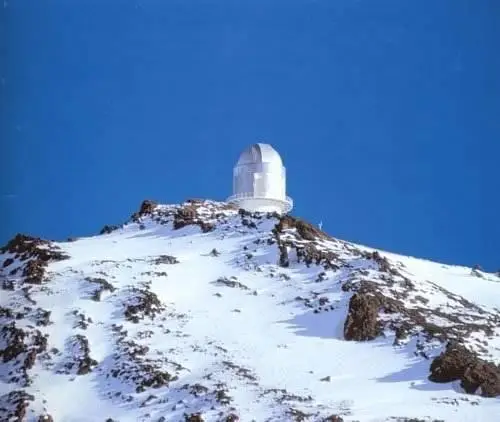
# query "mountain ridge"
(120, 308)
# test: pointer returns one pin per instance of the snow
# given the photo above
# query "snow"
(254, 340)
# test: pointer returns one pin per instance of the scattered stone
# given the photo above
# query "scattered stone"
(13, 405)
(103, 286)
(145, 304)
(214, 252)
(133, 366)
(231, 282)
(166, 259)
(81, 353)
(21, 347)
(240, 371)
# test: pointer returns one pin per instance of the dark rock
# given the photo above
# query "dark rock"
(7, 284)
(194, 417)
(284, 261)
(231, 282)
(362, 319)
(84, 362)
(18, 402)
(103, 286)
(458, 363)
(248, 223)
(147, 208)
(7, 262)
(383, 263)
(214, 252)
(306, 230)
(477, 271)
(39, 251)
(146, 304)
(107, 229)
(333, 418)
(166, 259)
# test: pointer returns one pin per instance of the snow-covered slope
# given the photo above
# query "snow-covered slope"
(198, 312)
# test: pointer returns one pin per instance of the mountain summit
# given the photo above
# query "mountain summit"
(203, 312)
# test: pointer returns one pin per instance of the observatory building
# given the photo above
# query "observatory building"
(259, 181)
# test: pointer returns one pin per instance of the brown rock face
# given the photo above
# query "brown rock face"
(308, 251)
(306, 230)
(458, 363)
(147, 208)
(188, 215)
(34, 272)
(24, 247)
(39, 251)
(362, 319)
(334, 418)
(195, 417)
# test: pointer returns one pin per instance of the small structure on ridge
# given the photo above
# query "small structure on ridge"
(259, 181)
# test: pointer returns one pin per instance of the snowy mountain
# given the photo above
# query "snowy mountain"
(200, 312)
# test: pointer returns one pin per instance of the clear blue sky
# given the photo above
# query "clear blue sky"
(386, 113)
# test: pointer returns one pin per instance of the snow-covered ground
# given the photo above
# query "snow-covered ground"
(231, 333)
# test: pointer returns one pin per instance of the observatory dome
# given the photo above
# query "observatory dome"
(260, 153)
(259, 181)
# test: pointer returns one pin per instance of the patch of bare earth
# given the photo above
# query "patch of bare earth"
(230, 282)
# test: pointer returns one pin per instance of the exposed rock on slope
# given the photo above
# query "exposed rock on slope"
(458, 363)
(34, 254)
(200, 311)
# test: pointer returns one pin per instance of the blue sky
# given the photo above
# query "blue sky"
(385, 112)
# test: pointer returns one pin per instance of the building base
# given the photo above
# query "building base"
(261, 204)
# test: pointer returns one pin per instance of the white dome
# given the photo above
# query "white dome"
(259, 181)
(260, 153)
